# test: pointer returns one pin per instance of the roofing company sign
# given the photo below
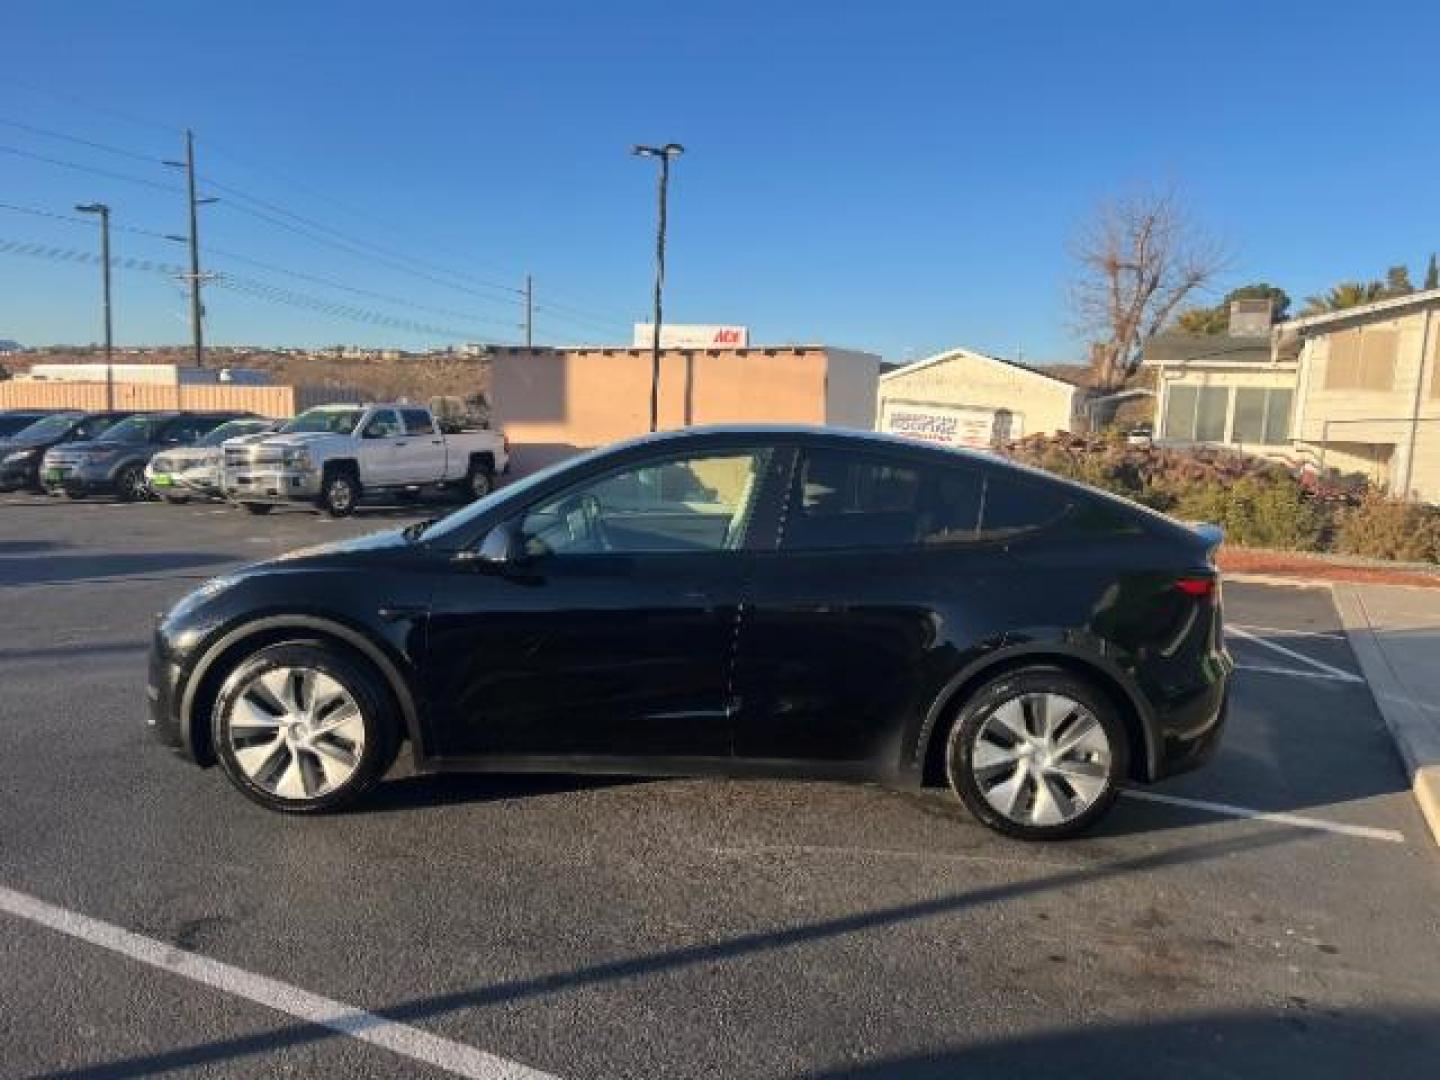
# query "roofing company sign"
(692, 336)
(950, 425)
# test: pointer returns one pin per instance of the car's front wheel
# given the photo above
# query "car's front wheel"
(130, 484)
(1038, 753)
(339, 494)
(301, 727)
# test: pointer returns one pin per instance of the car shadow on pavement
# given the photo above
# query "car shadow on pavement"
(1294, 1040)
(59, 569)
(417, 792)
(702, 953)
(12, 548)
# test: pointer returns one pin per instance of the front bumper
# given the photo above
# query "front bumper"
(82, 479)
(162, 693)
(271, 485)
(205, 483)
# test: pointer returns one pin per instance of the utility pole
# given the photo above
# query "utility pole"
(529, 312)
(197, 309)
(664, 153)
(104, 212)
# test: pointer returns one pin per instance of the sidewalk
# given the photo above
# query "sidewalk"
(1395, 633)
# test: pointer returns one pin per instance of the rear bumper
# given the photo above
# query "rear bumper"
(1191, 728)
(261, 485)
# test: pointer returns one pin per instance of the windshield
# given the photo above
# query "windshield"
(134, 429)
(231, 429)
(333, 421)
(460, 520)
(48, 427)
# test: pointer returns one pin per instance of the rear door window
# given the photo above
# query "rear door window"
(1015, 507)
(418, 422)
(842, 500)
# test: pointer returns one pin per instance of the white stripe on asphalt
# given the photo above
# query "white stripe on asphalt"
(1363, 831)
(1265, 669)
(1333, 635)
(1319, 665)
(401, 1039)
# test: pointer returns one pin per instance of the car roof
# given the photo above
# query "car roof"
(812, 433)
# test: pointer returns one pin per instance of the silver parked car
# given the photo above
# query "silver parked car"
(194, 472)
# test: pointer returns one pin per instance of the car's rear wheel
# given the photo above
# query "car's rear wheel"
(479, 481)
(300, 727)
(1038, 753)
(258, 508)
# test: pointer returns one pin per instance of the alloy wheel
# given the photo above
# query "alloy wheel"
(1041, 759)
(296, 733)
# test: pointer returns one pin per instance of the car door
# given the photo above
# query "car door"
(381, 440)
(611, 638)
(854, 618)
(421, 460)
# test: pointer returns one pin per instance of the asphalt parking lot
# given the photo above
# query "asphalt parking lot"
(1275, 914)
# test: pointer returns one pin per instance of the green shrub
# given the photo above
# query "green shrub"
(1384, 528)
(1271, 511)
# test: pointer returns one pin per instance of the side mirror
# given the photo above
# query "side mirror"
(501, 547)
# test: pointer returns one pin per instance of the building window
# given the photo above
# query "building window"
(1180, 413)
(1197, 413)
(1262, 416)
(1362, 359)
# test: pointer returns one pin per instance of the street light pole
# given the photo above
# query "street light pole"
(664, 154)
(104, 212)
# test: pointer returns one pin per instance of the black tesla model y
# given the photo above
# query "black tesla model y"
(731, 601)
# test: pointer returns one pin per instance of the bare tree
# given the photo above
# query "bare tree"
(1139, 258)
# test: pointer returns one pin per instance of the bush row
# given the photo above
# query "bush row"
(1259, 503)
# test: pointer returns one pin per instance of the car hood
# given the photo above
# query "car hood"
(298, 438)
(191, 455)
(112, 447)
(341, 550)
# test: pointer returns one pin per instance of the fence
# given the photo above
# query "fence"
(155, 397)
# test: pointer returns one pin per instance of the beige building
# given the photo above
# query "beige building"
(554, 402)
(1355, 390)
(964, 398)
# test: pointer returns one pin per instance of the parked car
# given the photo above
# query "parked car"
(336, 455)
(13, 421)
(114, 463)
(195, 471)
(748, 602)
(22, 453)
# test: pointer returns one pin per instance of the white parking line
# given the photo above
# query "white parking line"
(1280, 631)
(1267, 670)
(1363, 831)
(401, 1039)
(1310, 661)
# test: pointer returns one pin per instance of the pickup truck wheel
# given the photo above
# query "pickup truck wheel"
(480, 481)
(258, 508)
(339, 494)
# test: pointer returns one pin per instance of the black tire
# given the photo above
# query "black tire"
(479, 481)
(258, 508)
(381, 725)
(130, 484)
(339, 493)
(74, 493)
(1023, 683)
(176, 500)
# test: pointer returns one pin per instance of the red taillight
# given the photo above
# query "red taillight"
(1197, 587)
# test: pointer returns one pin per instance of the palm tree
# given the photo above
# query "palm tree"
(1347, 294)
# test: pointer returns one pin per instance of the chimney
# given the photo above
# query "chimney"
(1251, 318)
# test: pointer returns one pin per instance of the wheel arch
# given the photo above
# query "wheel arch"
(339, 465)
(222, 655)
(930, 746)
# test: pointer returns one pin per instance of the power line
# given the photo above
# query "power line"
(249, 286)
(92, 169)
(78, 141)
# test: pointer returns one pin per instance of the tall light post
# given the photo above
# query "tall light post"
(104, 212)
(664, 155)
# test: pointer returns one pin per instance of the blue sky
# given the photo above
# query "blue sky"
(899, 176)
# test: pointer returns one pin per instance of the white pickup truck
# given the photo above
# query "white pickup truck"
(334, 455)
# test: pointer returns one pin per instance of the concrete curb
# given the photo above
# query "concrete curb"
(1416, 735)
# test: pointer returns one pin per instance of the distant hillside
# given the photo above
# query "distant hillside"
(6, 345)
